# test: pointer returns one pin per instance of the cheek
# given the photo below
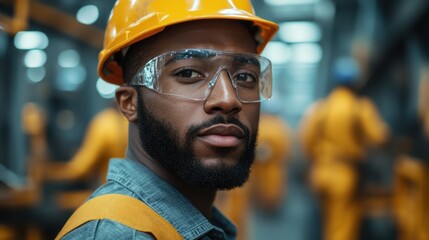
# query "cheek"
(250, 116)
(178, 116)
(181, 117)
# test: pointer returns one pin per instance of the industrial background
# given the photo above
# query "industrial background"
(50, 92)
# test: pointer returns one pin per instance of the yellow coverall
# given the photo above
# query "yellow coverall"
(411, 193)
(335, 134)
(410, 198)
(268, 178)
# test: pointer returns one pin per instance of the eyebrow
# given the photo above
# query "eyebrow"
(192, 53)
(246, 60)
(204, 54)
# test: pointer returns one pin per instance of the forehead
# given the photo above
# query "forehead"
(225, 35)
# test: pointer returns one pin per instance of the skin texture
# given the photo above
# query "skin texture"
(179, 116)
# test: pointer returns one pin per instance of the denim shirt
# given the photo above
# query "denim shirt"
(134, 179)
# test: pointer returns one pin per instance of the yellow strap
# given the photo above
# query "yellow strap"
(123, 209)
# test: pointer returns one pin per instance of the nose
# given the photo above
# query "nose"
(223, 97)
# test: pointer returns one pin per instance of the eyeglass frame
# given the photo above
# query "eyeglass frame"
(142, 78)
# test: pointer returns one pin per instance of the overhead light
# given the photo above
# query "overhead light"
(69, 58)
(31, 40)
(35, 58)
(70, 79)
(289, 2)
(87, 14)
(277, 52)
(310, 53)
(105, 89)
(295, 32)
(36, 75)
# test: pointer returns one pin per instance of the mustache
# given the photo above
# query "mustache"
(194, 129)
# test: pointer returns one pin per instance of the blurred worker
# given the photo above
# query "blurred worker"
(191, 82)
(410, 198)
(27, 195)
(411, 183)
(105, 138)
(268, 178)
(335, 134)
(266, 187)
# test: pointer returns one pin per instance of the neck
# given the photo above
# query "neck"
(201, 198)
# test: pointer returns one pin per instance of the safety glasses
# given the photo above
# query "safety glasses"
(192, 74)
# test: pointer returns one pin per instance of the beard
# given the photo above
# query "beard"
(163, 144)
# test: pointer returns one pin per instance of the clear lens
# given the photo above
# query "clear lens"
(192, 73)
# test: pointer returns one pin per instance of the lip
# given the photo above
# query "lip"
(222, 135)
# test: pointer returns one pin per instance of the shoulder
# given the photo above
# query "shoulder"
(105, 229)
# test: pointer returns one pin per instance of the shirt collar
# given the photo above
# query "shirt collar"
(166, 200)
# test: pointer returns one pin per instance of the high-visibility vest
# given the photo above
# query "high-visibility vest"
(124, 209)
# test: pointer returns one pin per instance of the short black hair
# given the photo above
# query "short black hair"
(132, 61)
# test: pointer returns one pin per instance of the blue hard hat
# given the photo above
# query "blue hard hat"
(345, 71)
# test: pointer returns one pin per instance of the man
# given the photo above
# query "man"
(191, 86)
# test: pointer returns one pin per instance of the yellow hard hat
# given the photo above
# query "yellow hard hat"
(134, 20)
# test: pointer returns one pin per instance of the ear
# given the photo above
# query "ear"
(127, 100)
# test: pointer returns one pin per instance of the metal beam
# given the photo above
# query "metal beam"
(56, 19)
(408, 16)
(19, 20)
(49, 16)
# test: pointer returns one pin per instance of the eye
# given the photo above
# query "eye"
(188, 73)
(246, 77)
